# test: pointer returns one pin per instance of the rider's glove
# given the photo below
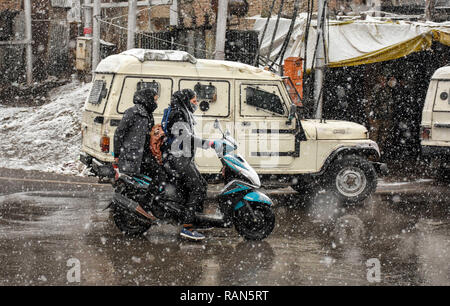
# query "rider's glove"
(216, 145)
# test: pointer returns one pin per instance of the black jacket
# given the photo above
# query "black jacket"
(132, 136)
(180, 126)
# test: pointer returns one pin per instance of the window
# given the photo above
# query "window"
(205, 92)
(163, 86)
(442, 100)
(264, 100)
(213, 96)
(98, 92)
(152, 85)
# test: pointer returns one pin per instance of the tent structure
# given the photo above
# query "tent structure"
(354, 42)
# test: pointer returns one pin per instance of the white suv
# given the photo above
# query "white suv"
(435, 126)
(255, 106)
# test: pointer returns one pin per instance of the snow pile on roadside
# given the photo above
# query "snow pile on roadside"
(47, 137)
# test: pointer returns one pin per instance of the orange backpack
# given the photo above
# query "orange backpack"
(157, 138)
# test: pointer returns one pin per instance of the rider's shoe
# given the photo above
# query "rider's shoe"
(191, 234)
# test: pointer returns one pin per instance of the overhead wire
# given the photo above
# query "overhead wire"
(285, 45)
(275, 30)
(264, 33)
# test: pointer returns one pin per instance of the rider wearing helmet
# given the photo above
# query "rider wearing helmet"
(180, 155)
(132, 136)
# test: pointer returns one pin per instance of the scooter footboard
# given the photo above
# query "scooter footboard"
(254, 197)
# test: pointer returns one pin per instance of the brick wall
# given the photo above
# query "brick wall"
(12, 5)
(198, 8)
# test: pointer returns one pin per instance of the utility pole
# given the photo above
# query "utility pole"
(132, 7)
(28, 39)
(173, 14)
(221, 29)
(320, 60)
(87, 31)
(96, 35)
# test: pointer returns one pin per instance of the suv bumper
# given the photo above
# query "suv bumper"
(436, 151)
(380, 168)
(100, 169)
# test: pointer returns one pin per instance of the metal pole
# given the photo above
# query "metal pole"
(150, 25)
(87, 31)
(174, 13)
(429, 9)
(132, 7)
(96, 35)
(320, 62)
(28, 38)
(221, 29)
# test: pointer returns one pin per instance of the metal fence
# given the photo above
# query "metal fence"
(240, 46)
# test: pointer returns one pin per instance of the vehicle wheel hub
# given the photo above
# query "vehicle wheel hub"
(351, 181)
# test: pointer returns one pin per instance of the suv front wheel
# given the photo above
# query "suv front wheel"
(352, 177)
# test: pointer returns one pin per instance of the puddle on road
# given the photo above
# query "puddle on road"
(326, 244)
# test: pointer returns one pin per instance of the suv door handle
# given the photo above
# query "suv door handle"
(245, 123)
(442, 125)
(99, 119)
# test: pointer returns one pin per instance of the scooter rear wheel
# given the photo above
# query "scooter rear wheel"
(129, 224)
(255, 227)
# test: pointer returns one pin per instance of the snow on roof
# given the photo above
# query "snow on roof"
(442, 73)
(160, 55)
(178, 63)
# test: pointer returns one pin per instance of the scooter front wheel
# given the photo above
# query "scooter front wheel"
(254, 222)
(129, 224)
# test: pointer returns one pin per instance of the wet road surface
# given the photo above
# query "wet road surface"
(47, 223)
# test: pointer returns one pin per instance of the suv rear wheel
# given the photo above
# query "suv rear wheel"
(352, 177)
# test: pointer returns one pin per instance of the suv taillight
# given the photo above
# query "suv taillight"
(104, 144)
(425, 133)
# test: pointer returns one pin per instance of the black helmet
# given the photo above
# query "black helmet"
(146, 97)
(188, 95)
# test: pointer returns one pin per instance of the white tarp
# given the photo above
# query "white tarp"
(353, 42)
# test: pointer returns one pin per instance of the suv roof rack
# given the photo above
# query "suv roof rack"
(160, 55)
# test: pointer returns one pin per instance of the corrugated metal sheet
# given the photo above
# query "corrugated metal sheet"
(58, 52)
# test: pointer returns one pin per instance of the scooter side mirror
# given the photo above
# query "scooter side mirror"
(218, 126)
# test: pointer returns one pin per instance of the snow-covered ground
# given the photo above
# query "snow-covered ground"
(47, 137)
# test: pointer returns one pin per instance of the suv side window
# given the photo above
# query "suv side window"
(99, 93)
(213, 96)
(261, 100)
(442, 101)
(131, 84)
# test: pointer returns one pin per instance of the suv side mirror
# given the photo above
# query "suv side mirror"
(292, 111)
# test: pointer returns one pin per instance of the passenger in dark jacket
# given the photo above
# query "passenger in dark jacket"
(180, 155)
(132, 136)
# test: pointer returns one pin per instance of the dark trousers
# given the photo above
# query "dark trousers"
(151, 168)
(191, 183)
